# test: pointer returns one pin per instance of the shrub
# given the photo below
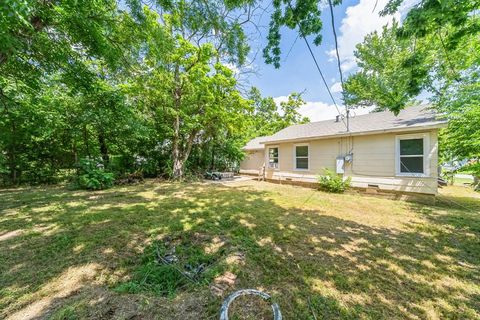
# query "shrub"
(92, 176)
(332, 182)
(96, 180)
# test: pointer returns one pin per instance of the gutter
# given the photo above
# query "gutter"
(361, 133)
(253, 149)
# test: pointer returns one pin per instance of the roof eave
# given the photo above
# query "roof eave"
(362, 133)
(252, 149)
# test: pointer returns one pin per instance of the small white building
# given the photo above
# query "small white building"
(380, 151)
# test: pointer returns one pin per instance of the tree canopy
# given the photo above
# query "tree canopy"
(148, 87)
(125, 88)
(434, 52)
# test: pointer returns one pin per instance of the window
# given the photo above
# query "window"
(301, 157)
(273, 158)
(411, 155)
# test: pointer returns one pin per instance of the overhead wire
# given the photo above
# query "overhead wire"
(339, 63)
(336, 42)
(289, 51)
(342, 82)
(318, 68)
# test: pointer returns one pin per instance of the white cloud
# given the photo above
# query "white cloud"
(318, 110)
(280, 99)
(360, 20)
(336, 87)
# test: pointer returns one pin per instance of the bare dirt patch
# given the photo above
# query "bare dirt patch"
(250, 307)
(10, 235)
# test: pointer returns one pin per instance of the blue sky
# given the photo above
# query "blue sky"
(353, 20)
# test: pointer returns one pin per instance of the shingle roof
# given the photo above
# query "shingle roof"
(254, 144)
(408, 119)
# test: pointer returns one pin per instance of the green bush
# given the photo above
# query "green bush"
(332, 182)
(92, 176)
(96, 180)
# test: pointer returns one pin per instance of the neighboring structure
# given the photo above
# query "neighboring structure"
(381, 151)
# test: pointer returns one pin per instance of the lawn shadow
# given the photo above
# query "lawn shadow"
(311, 261)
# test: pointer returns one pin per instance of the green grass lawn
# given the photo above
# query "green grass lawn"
(76, 254)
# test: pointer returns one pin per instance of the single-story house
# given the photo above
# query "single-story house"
(381, 151)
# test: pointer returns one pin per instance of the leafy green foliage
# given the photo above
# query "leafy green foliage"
(268, 118)
(304, 14)
(192, 98)
(92, 176)
(96, 180)
(461, 140)
(332, 182)
(89, 79)
(290, 111)
(390, 74)
(435, 51)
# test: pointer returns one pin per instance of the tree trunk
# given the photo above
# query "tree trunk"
(212, 163)
(13, 156)
(13, 166)
(103, 147)
(189, 145)
(75, 153)
(85, 140)
(177, 159)
(177, 168)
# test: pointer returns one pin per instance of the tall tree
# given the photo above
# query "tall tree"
(265, 115)
(435, 51)
(392, 71)
(290, 111)
(40, 40)
(186, 88)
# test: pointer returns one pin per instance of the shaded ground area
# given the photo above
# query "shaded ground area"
(64, 254)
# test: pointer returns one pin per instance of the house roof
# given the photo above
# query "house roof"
(255, 144)
(409, 119)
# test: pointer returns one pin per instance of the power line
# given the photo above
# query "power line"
(339, 63)
(336, 43)
(289, 51)
(323, 78)
(318, 68)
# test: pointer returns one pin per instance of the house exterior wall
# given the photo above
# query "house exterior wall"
(253, 162)
(374, 162)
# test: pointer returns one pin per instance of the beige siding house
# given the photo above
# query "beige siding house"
(381, 151)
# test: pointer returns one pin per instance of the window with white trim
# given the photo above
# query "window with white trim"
(411, 155)
(273, 158)
(301, 157)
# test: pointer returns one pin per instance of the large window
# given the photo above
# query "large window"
(411, 155)
(273, 158)
(301, 157)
